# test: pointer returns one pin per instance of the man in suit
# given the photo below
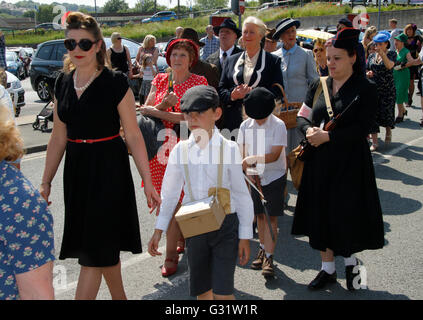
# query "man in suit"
(228, 34)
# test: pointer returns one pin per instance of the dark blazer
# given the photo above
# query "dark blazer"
(215, 59)
(209, 71)
(233, 75)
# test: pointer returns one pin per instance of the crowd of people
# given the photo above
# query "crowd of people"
(227, 95)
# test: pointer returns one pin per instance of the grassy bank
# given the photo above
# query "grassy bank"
(164, 30)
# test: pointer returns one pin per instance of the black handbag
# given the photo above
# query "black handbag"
(150, 128)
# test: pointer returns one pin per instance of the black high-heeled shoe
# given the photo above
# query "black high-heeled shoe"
(399, 119)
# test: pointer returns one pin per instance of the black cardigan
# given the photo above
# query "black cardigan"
(232, 76)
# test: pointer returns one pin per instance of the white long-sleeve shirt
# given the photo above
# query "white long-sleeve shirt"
(203, 168)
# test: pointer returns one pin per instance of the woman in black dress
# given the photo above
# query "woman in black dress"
(101, 218)
(119, 55)
(338, 205)
(380, 69)
(414, 44)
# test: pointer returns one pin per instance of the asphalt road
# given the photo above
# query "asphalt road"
(392, 273)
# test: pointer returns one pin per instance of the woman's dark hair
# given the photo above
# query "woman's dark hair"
(357, 66)
(78, 20)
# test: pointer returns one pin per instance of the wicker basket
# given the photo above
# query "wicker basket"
(287, 111)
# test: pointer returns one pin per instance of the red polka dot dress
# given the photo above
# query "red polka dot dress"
(159, 162)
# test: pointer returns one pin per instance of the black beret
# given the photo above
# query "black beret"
(346, 38)
(346, 22)
(199, 98)
(259, 103)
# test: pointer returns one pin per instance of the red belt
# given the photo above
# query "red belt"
(93, 140)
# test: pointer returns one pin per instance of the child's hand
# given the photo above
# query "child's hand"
(153, 245)
(244, 251)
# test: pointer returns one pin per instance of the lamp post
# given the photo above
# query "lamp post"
(95, 9)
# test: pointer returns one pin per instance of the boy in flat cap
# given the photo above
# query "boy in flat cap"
(211, 256)
(262, 139)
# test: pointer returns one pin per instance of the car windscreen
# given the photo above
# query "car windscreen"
(10, 57)
(44, 52)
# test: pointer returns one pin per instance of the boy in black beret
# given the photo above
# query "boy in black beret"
(262, 139)
(193, 167)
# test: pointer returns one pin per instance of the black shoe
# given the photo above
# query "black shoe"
(399, 119)
(322, 279)
(350, 276)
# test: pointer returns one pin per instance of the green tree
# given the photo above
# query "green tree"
(45, 13)
(29, 14)
(211, 4)
(113, 6)
(145, 6)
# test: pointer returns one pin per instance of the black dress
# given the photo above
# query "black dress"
(101, 216)
(119, 60)
(338, 204)
(384, 79)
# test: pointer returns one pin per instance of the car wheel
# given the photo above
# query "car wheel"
(43, 90)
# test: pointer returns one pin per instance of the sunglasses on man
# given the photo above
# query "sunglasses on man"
(84, 44)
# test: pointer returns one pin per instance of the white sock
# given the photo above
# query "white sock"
(268, 255)
(261, 246)
(329, 267)
(350, 261)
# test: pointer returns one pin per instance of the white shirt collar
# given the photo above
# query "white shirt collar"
(228, 52)
(215, 140)
(253, 123)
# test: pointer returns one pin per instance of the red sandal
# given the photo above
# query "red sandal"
(181, 249)
(166, 271)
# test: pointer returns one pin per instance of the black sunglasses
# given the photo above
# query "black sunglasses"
(84, 44)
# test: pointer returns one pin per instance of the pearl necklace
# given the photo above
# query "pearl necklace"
(84, 87)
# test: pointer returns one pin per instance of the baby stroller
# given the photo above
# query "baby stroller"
(44, 116)
(46, 113)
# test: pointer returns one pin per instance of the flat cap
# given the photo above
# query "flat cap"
(199, 98)
(259, 103)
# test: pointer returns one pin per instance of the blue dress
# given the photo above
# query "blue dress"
(26, 229)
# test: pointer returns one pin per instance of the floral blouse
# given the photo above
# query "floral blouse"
(26, 229)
